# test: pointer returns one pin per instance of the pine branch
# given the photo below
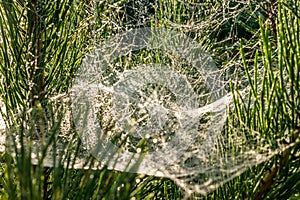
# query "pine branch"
(269, 179)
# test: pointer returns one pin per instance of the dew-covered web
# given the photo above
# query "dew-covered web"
(154, 99)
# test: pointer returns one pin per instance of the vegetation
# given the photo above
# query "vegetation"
(43, 43)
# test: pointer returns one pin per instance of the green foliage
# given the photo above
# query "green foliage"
(42, 46)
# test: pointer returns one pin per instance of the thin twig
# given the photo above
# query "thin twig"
(269, 178)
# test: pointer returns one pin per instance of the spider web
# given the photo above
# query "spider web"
(156, 103)
(153, 96)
